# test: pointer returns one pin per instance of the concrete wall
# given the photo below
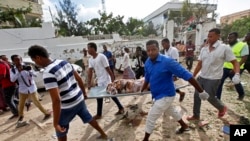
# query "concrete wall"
(17, 41)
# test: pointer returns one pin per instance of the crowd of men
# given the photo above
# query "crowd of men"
(160, 67)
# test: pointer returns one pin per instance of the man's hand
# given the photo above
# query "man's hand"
(59, 128)
(236, 78)
(85, 96)
(204, 95)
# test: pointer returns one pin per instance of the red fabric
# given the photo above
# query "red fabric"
(190, 50)
(5, 71)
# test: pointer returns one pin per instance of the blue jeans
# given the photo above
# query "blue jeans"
(68, 114)
(227, 73)
(100, 104)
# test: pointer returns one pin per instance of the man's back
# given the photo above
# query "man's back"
(60, 74)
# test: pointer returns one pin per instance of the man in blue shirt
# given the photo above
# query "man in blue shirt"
(159, 70)
(110, 58)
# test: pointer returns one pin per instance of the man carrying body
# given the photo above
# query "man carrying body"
(159, 71)
(66, 90)
(210, 63)
(100, 65)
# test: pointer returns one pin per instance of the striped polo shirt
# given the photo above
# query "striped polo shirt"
(60, 74)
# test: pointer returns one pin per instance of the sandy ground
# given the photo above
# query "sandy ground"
(131, 127)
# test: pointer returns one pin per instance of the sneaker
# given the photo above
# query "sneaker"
(13, 116)
(96, 117)
(190, 118)
(21, 124)
(222, 112)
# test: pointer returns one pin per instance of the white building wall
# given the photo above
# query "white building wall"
(170, 30)
(17, 41)
(202, 32)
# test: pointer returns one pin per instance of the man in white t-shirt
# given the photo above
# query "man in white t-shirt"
(99, 63)
(173, 53)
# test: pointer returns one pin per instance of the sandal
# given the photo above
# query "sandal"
(182, 130)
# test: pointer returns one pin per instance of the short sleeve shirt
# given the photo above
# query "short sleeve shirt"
(212, 62)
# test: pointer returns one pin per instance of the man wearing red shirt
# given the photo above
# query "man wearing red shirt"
(190, 48)
(9, 88)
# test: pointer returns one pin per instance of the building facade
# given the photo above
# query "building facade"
(229, 19)
(172, 30)
(36, 6)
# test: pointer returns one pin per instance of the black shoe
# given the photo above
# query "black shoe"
(13, 116)
(240, 98)
(20, 118)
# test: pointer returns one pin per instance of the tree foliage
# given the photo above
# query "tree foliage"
(16, 17)
(107, 23)
(242, 26)
(66, 20)
(134, 26)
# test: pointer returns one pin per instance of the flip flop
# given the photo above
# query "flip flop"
(203, 123)
(181, 130)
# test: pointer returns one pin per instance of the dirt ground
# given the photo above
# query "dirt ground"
(131, 127)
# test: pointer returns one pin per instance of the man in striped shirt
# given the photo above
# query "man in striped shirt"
(66, 90)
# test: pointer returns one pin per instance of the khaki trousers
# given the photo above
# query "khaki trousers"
(33, 97)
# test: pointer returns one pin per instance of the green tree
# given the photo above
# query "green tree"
(242, 26)
(149, 30)
(107, 24)
(67, 22)
(134, 26)
(17, 18)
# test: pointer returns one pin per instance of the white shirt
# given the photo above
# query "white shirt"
(173, 53)
(126, 61)
(99, 64)
(22, 76)
(212, 62)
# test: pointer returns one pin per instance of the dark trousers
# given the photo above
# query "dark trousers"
(100, 104)
(9, 93)
(112, 69)
(139, 72)
(228, 73)
(189, 62)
